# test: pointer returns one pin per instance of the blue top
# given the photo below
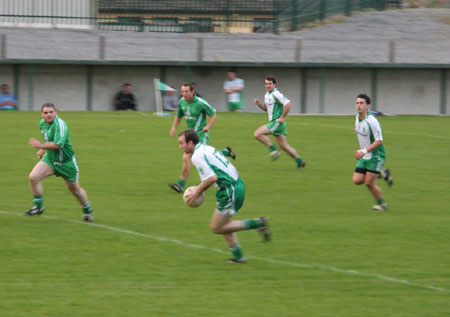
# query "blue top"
(7, 97)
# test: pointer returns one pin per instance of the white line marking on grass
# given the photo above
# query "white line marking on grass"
(268, 260)
(385, 132)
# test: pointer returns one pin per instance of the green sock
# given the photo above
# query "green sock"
(272, 148)
(237, 251)
(251, 224)
(380, 201)
(225, 152)
(38, 201)
(181, 182)
(87, 209)
(299, 160)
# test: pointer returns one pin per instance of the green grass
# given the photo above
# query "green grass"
(148, 254)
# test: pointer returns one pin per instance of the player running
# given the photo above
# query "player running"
(214, 168)
(277, 107)
(371, 154)
(59, 160)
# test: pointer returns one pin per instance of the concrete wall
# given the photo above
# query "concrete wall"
(399, 91)
(64, 86)
(409, 91)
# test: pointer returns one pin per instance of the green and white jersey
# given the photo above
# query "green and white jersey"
(275, 102)
(58, 133)
(210, 162)
(368, 130)
(195, 112)
(232, 84)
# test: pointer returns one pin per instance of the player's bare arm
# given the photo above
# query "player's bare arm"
(211, 121)
(173, 129)
(260, 104)
(200, 189)
(361, 152)
(286, 109)
(45, 146)
(40, 153)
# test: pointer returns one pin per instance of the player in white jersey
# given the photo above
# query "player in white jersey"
(277, 107)
(233, 89)
(214, 168)
(371, 154)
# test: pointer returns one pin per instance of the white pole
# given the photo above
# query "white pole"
(159, 108)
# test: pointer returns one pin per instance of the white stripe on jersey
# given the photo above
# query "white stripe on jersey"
(61, 136)
(74, 160)
(199, 121)
(203, 101)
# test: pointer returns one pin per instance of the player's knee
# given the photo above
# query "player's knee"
(33, 178)
(256, 135)
(215, 228)
(369, 184)
(357, 181)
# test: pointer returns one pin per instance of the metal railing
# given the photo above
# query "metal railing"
(181, 16)
(48, 13)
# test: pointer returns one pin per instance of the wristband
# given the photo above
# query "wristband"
(364, 151)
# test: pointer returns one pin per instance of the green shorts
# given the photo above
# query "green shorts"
(203, 137)
(234, 105)
(68, 170)
(277, 128)
(230, 198)
(374, 165)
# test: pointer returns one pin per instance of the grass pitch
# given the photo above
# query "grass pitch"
(148, 254)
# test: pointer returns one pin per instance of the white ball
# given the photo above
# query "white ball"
(199, 199)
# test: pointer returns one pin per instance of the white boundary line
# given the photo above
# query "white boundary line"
(287, 263)
(141, 113)
(387, 132)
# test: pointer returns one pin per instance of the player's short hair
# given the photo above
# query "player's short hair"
(365, 97)
(48, 105)
(271, 78)
(190, 135)
(190, 85)
(126, 84)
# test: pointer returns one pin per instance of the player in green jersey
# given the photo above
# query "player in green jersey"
(214, 168)
(371, 154)
(56, 158)
(277, 107)
(195, 110)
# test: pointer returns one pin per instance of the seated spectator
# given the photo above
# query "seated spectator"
(169, 100)
(7, 101)
(125, 100)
